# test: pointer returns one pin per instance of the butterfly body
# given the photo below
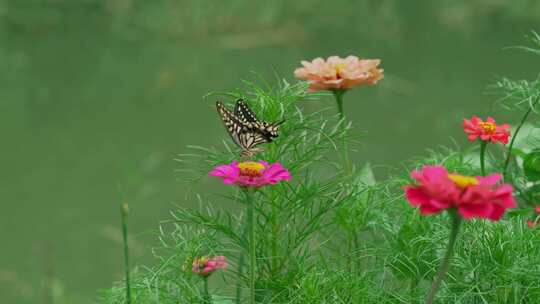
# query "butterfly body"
(245, 129)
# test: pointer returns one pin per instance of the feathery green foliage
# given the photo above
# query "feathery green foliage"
(326, 237)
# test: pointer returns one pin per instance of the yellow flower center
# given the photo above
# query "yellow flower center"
(488, 127)
(339, 67)
(463, 181)
(201, 262)
(251, 169)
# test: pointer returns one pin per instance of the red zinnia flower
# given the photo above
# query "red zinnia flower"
(486, 130)
(473, 197)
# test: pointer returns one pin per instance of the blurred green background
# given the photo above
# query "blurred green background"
(98, 96)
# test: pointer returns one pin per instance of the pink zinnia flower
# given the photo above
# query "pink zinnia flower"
(205, 266)
(251, 173)
(486, 130)
(537, 209)
(473, 197)
(337, 73)
(531, 224)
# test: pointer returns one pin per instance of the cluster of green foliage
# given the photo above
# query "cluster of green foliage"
(334, 235)
(524, 96)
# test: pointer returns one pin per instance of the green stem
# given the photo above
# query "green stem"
(483, 145)
(252, 245)
(356, 240)
(413, 286)
(338, 95)
(274, 262)
(349, 253)
(241, 263)
(207, 297)
(443, 268)
(514, 136)
(124, 214)
(356, 248)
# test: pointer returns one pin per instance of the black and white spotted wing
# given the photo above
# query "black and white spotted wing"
(243, 133)
(245, 114)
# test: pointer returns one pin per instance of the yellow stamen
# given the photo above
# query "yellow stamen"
(250, 168)
(488, 127)
(203, 260)
(338, 67)
(250, 165)
(463, 181)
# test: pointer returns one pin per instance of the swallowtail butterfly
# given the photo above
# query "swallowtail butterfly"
(245, 129)
(244, 113)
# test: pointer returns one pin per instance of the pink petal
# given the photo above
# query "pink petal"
(334, 60)
(428, 210)
(276, 173)
(416, 196)
(469, 211)
(476, 120)
(497, 212)
(489, 180)
(472, 137)
(222, 170)
(301, 73)
(484, 137)
(438, 204)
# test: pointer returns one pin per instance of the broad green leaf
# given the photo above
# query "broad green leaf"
(531, 165)
(519, 153)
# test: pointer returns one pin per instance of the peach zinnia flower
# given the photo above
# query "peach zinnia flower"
(251, 173)
(473, 197)
(337, 73)
(205, 266)
(486, 130)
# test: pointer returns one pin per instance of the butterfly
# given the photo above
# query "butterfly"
(245, 129)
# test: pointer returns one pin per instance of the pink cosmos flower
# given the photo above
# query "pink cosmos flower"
(251, 174)
(205, 266)
(337, 73)
(486, 130)
(473, 197)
